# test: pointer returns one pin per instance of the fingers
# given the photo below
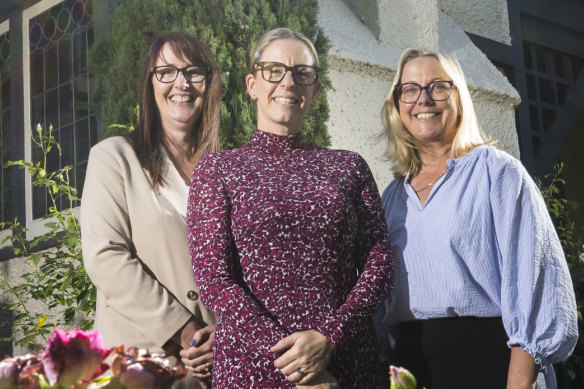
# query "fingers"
(286, 359)
(298, 374)
(307, 353)
(201, 344)
(197, 364)
(195, 352)
(284, 344)
(204, 334)
(203, 371)
(302, 377)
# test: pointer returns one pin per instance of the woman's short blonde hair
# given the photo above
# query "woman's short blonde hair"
(280, 33)
(401, 149)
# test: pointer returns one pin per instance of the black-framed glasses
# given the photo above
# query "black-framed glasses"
(168, 74)
(410, 92)
(275, 71)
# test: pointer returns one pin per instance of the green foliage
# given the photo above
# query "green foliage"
(572, 238)
(230, 28)
(57, 280)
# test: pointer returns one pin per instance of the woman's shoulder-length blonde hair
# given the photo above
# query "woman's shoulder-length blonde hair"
(401, 150)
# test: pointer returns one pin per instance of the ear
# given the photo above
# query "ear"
(315, 92)
(250, 83)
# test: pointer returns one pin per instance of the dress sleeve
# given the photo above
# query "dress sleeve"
(109, 256)
(537, 297)
(374, 260)
(215, 259)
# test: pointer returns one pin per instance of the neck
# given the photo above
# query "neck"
(179, 143)
(279, 129)
(434, 157)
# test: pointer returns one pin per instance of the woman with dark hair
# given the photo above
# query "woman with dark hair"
(134, 204)
(288, 241)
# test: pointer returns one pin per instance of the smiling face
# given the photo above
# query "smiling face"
(427, 120)
(179, 102)
(282, 105)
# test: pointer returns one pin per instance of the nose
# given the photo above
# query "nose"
(288, 79)
(181, 81)
(425, 97)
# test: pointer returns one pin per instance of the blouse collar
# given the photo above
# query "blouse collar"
(275, 142)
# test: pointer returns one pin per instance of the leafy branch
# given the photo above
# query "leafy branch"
(572, 239)
(56, 280)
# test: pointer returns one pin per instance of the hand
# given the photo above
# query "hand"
(309, 351)
(323, 380)
(198, 357)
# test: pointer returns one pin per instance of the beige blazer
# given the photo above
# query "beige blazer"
(135, 250)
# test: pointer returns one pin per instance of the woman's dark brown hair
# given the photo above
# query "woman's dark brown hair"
(147, 137)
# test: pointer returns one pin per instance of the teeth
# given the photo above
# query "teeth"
(181, 99)
(285, 100)
(426, 115)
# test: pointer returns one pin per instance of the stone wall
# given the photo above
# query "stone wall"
(367, 38)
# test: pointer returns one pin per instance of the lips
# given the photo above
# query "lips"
(285, 100)
(181, 98)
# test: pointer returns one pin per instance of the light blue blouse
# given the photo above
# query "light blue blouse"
(482, 245)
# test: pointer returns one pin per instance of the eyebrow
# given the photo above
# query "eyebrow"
(432, 80)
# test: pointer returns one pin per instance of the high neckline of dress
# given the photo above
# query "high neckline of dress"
(275, 142)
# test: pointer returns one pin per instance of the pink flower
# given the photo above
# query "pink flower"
(135, 376)
(20, 372)
(9, 369)
(139, 369)
(74, 357)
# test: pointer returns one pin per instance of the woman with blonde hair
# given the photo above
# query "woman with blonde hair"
(483, 296)
(289, 241)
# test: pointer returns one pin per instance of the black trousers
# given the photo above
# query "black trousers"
(461, 352)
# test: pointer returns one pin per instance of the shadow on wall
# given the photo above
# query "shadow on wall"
(6, 330)
(573, 159)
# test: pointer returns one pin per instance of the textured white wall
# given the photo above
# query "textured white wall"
(488, 19)
(362, 65)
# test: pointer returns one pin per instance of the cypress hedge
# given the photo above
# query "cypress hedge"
(230, 28)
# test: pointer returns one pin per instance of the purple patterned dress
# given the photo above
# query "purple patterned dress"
(287, 237)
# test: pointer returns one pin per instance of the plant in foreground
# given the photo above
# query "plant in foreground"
(401, 378)
(78, 360)
(56, 279)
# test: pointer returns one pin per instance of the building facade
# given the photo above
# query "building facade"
(523, 60)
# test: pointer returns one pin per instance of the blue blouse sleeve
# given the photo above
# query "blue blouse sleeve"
(537, 297)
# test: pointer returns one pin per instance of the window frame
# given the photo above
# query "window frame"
(4, 28)
(35, 227)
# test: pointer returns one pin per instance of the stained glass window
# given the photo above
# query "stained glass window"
(59, 85)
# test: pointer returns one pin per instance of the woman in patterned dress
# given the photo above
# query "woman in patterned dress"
(289, 242)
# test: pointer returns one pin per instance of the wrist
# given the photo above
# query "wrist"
(185, 334)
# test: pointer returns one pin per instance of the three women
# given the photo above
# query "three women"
(289, 243)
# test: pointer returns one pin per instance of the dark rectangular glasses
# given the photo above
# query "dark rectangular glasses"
(168, 74)
(410, 92)
(275, 71)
